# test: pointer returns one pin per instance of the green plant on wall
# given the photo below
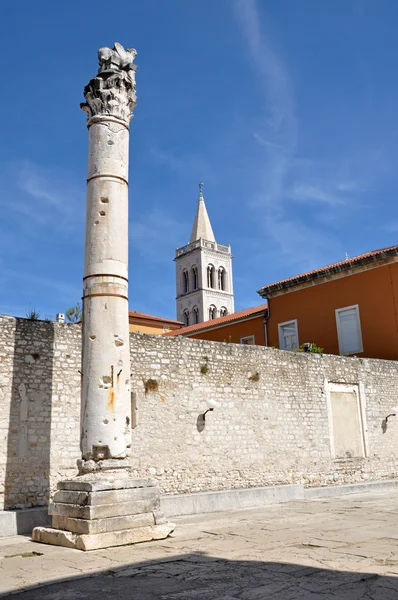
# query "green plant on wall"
(310, 347)
(74, 314)
(204, 369)
(254, 377)
(32, 314)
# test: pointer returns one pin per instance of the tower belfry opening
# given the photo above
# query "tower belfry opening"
(203, 273)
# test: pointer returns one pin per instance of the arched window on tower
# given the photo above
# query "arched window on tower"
(194, 272)
(185, 282)
(195, 312)
(222, 279)
(186, 317)
(223, 311)
(210, 276)
(212, 312)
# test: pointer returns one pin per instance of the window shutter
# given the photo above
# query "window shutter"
(349, 331)
(288, 336)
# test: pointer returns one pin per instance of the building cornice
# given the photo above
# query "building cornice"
(327, 275)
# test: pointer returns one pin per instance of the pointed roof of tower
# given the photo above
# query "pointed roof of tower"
(201, 225)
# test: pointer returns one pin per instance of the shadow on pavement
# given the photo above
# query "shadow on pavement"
(196, 576)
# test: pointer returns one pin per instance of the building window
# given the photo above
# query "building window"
(349, 330)
(223, 311)
(186, 317)
(210, 276)
(185, 282)
(249, 340)
(194, 272)
(222, 279)
(195, 312)
(212, 312)
(288, 335)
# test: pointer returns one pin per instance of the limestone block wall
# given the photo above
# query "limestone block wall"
(39, 408)
(271, 425)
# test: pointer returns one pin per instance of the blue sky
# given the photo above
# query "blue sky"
(286, 110)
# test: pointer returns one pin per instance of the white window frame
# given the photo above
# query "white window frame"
(280, 333)
(339, 333)
(248, 337)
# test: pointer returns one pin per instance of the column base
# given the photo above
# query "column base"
(90, 513)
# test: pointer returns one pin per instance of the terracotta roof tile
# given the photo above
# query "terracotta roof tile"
(237, 316)
(343, 265)
(138, 315)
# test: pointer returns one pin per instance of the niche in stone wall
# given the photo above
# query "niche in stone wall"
(346, 421)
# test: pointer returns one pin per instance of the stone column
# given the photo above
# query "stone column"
(104, 506)
(106, 405)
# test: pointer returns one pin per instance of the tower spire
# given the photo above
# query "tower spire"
(201, 226)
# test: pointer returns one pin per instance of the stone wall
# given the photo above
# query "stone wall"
(272, 423)
(39, 408)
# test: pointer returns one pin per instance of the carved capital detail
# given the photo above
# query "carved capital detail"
(113, 90)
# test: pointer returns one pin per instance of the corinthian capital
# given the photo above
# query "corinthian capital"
(112, 91)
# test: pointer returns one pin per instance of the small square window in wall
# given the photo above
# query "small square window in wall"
(248, 340)
(288, 335)
(349, 330)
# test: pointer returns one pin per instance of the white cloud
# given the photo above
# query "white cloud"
(277, 135)
(42, 196)
(283, 180)
(350, 186)
(304, 192)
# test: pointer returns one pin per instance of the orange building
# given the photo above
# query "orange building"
(244, 327)
(149, 324)
(348, 308)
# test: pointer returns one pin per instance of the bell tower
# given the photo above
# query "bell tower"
(203, 273)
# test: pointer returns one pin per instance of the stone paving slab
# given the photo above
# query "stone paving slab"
(340, 548)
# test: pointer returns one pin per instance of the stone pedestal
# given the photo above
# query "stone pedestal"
(89, 513)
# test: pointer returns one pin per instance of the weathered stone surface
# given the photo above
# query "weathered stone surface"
(126, 536)
(133, 507)
(160, 518)
(98, 484)
(116, 496)
(57, 537)
(67, 497)
(113, 91)
(330, 549)
(105, 466)
(107, 524)
(105, 497)
(191, 504)
(271, 432)
(106, 393)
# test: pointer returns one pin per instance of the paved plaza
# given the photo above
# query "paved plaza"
(342, 548)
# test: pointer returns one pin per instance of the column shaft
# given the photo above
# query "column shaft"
(106, 405)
